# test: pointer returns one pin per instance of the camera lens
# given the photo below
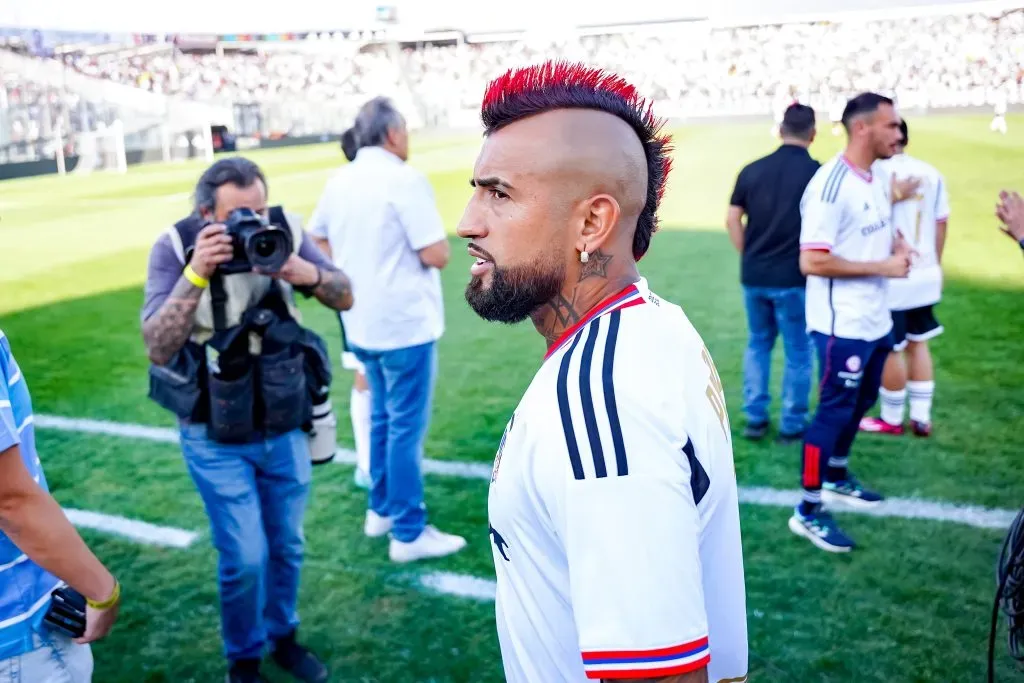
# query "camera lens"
(264, 245)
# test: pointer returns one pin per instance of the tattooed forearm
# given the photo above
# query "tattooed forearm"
(335, 290)
(596, 266)
(169, 328)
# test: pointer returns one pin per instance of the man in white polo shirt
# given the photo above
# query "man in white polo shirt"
(379, 219)
(848, 250)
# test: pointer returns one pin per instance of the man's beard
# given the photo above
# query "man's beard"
(515, 291)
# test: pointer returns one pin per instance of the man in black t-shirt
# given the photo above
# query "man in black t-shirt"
(768, 193)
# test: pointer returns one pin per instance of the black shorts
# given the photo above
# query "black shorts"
(914, 325)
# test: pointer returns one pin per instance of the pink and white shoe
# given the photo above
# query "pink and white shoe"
(876, 425)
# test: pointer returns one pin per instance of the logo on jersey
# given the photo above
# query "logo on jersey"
(853, 363)
(499, 542)
(867, 207)
(501, 448)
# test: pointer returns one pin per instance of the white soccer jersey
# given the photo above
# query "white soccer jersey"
(613, 507)
(916, 218)
(846, 211)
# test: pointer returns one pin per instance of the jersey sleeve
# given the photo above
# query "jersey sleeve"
(632, 542)
(739, 192)
(941, 200)
(9, 375)
(821, 212)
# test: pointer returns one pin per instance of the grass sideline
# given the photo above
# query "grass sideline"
(912, 605)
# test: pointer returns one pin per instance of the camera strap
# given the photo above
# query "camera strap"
(219, 302)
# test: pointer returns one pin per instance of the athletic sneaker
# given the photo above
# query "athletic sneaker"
(376, 525)
(429, 544)
(362, 479)
(876, 425)
(821, 530)
(849, 492)
(922, 429)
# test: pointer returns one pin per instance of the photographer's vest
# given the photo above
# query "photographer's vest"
(242, 291)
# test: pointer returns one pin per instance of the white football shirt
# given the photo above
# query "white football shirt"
(916, 219)
(846, 211)
(613, 507)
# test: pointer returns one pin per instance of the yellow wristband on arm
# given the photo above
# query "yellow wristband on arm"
(109, 602)
(195, 278)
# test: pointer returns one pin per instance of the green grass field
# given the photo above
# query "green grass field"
(912, 604)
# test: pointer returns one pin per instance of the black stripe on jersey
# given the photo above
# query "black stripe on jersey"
(609, 394)
(700, 482)
(833, 192)
(563, 408)
(587, 399)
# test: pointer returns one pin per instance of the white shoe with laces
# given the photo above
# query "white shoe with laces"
(376, 525)
(429, 544)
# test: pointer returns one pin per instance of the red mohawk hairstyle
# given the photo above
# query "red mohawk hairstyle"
(520, 93)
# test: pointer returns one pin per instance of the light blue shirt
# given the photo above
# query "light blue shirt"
(377, 213)
(24, 586)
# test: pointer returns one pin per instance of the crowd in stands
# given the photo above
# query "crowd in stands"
(930, 61)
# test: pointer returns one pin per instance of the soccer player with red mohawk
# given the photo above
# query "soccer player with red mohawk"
(613, 507)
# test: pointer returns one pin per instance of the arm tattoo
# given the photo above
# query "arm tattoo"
(335, 290)
(596, 266)
(169, 328)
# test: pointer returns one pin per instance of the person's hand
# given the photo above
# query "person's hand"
(297, 272)
(1010, 210)
(213, 247)
(98, 622)
(898, 265)
(905, 188)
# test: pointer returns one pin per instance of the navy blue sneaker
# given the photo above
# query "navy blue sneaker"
(849, 492)
(821, 530)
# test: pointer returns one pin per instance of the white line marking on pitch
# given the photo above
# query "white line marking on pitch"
(132, 529)
(461, 585)
(906, 508)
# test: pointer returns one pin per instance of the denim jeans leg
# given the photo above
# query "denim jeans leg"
(757, 361)
(378, 495)
(409, 375)
(55, 659)
(225, 477)
(796, 377)
(283, 481)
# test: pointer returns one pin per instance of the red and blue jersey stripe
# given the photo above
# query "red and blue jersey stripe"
(657, 662)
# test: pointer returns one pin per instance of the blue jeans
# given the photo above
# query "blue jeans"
(401, 390)
(55, 659)
(771, 310)
(255, 496)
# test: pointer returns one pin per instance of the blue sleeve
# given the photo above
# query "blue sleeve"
(8, 370)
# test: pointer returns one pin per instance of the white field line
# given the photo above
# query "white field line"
(143, 533)
(906, 508)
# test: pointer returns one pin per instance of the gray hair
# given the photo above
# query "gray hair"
(375, 119)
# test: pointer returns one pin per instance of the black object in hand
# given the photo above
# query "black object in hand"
(67, 612)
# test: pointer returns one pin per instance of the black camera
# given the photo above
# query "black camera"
(258, 243)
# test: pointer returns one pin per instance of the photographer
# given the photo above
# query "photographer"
(231, 360)
(44, 626)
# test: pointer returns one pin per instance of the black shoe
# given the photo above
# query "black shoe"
(755, 431)
(245, 671)
(298, 661)
(789, 439)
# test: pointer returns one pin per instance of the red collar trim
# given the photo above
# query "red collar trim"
(863, 175)
(630, 296)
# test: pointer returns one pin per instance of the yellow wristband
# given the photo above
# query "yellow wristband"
(109, 602)
(195, 278)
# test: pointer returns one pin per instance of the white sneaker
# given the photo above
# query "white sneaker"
(376, 525)
(430, 543)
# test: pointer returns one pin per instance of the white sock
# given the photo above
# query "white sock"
(921, 394)
(893, 403)
(359, 408)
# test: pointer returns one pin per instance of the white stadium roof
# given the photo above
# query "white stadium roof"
(278, 16)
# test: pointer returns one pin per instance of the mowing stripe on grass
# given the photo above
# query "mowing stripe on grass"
(134, 530)
(906, 508)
